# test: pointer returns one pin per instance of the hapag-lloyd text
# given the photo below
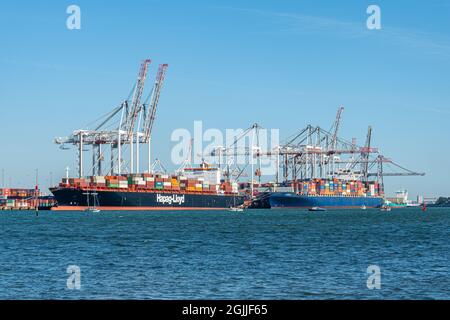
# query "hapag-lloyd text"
(170, 199)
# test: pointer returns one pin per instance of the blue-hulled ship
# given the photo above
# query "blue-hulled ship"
(292, 200)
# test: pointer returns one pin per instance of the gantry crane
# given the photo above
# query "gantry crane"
(119, 132)
(318, 153)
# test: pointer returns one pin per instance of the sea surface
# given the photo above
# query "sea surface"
(258, 254)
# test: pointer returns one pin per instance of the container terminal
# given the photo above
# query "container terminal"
(314, 167)
(123, 186)
(25, 199)
(317, 168)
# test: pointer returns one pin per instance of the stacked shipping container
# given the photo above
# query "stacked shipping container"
(14, 198)
(147, 181)
(337, 187)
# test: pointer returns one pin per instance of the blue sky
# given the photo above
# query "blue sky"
(283, 64)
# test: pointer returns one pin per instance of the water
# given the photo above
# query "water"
(261, 254)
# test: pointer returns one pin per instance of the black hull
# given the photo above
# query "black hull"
(77, 198)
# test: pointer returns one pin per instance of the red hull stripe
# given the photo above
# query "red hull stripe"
(82, 208)
(324, 207)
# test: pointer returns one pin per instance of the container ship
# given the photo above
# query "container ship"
(193, 189)
(324, 193)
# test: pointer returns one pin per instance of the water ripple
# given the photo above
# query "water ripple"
(261, 254)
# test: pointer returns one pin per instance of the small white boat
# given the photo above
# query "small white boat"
(92, 208)
(317, 209)
(235, 208)
(385, 208)
(363, 207)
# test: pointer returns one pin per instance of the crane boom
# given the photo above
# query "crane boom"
(397, 174)
(365, 154)
(133, 112)
(336, 127)
(151, 112)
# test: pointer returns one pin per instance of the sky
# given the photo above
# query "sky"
(283, 64)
